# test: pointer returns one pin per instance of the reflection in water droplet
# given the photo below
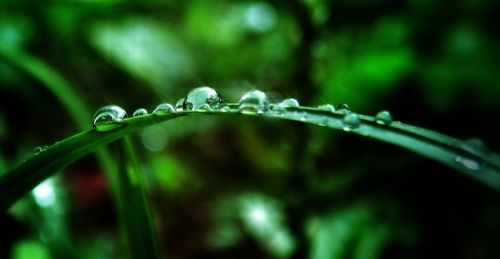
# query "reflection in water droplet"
(140, 112)
(468, 163)
(327, 107)
(290, 102)
(107, 115)
(179, 104)
(351, 122)
(163, 108)
(383, 118)
(253, 102)
(200, 96)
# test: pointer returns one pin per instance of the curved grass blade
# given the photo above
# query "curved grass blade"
(80, 114)
(441, 148)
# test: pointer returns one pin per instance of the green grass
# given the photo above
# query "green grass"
(21, 179)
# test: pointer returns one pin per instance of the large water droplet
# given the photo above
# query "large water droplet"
(383, 118)
(469, 163)
(105, 117)
(179, 105)
(327, 107)
(351, 121)
(290, 103)
(140, 112)
(200, 96)
(253, 102)
(163, 108)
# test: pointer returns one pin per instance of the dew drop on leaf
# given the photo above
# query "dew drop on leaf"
(38, 150)
(140, 112)
(204, 107)
(290, 103)
(200, 96)
(351, 121)
(469, 163)
(327, 107)
(477, 145)
(253, 102)
(383, 118)
(343, 108)
(108, 114)
(163, 108)
(224, 108)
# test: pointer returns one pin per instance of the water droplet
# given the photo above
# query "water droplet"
(343, 108)
(140, 112)
(468, 163)
(224, 108)
(327, 107)
(351, 121)
(204, 107)
(277, 108)
(290, 103)
(477, 145)
(200, 96)
(163, 108)
(253, 102)
(38, 150)
(383, 118)
(179, 105)
(108, 115)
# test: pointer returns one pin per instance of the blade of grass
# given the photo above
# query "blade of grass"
(80, 114)
(140, 230)
(441, 148)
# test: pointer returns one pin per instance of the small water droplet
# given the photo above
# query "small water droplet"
(163, 108)
(179, 105)
(200, 96)
(290, 103)
(277, 108)
(327, 107)
(204, 107)
(253, 102)
(351, 121)
(140, 112)
(343, 108)
(38, 150)
(383, 118)
(477, 145)
(224, 108)
(468, 163)
(107, 115)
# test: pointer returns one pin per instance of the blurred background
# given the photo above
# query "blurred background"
(246, 187)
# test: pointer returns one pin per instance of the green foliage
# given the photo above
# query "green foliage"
(312, 191)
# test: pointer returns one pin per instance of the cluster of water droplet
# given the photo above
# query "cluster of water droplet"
(205, 98)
